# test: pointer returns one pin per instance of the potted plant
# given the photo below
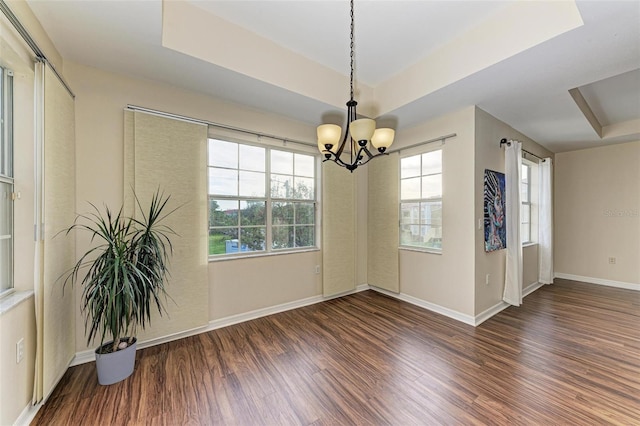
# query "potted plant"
(122, 276)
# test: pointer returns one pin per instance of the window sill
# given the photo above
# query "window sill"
(260, 254)
(14, 299)
(529, 245)
(421, 250)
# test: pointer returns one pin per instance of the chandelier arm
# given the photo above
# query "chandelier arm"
(369, 154)
(369, 159)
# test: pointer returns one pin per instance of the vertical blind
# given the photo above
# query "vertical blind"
(55, 321)
(338, 230)
(169, 155)
(383, 233)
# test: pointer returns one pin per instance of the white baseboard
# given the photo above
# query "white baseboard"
(89, 355)
(500, 306)
(488, 313)
(28, 414)
(600, 281)
(458, 316)
(531, 288)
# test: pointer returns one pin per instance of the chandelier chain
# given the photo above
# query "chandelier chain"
(351, 76)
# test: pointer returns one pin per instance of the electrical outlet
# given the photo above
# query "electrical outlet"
(612, 260)
(487, 278)
(317, 269)
(19, 351)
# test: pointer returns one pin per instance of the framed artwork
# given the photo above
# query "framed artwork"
(495, 232)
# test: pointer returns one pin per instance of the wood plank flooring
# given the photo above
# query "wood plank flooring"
(569, 355)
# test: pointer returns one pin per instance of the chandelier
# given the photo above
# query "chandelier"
(365, 141)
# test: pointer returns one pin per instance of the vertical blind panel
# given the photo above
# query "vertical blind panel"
(59, 213)
(338, 230)
(383, 233)
(170, 155)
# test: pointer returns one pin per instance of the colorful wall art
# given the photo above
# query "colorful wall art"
(495, 227)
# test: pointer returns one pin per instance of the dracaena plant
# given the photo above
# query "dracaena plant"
(123, 274)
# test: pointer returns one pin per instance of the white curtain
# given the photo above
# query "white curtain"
(513, 275)
(545, 229)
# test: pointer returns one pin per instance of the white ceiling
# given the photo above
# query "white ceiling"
(528, 90)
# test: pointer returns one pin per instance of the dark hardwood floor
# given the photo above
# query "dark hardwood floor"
(569, 355)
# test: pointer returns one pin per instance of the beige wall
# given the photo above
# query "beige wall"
(236, 286)
(446, 279)
(17, 378)
(597, 213)
(489, 155)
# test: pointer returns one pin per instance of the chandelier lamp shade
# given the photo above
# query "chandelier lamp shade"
(363, 141)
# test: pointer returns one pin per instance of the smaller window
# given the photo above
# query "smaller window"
(6, 180)
(525, 210)
(421, 201)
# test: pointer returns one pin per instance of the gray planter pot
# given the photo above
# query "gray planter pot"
(116, 366)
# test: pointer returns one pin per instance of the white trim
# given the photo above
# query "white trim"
(458, 316)
(490, 312)
(89, 354)
(500, 306)
(28, 414)
(600, 281)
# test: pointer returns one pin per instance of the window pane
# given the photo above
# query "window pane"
(524, 188)
(252, 239)
(281, 186)
(410, 189)
(431, 213)
(252, 158)
(304, 165)
(6, 205)
(410, 213)
(282, 162)
(6, 264)
(223, 181)
(432, 186)
(252, 213)
(304, 189)
(282, 237)
(525, 232)
(223, 154)
(410, 166)
(525, 213)
(224, 240)
(252, 184)
(305, 214)
(305, 236)
(525, 173)
(423, 236)
(432, 162)
(223, 213)
(282, 213)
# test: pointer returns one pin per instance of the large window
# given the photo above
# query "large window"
(261, 199)
(421, 201)
(6, 180)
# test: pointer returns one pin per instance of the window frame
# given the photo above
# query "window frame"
(269, 201)
(525, 202)
(419, 152)
(7, 173)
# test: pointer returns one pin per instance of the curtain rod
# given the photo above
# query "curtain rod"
(218, 125)
(439, 138)
(505, 141)
(40, 56)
